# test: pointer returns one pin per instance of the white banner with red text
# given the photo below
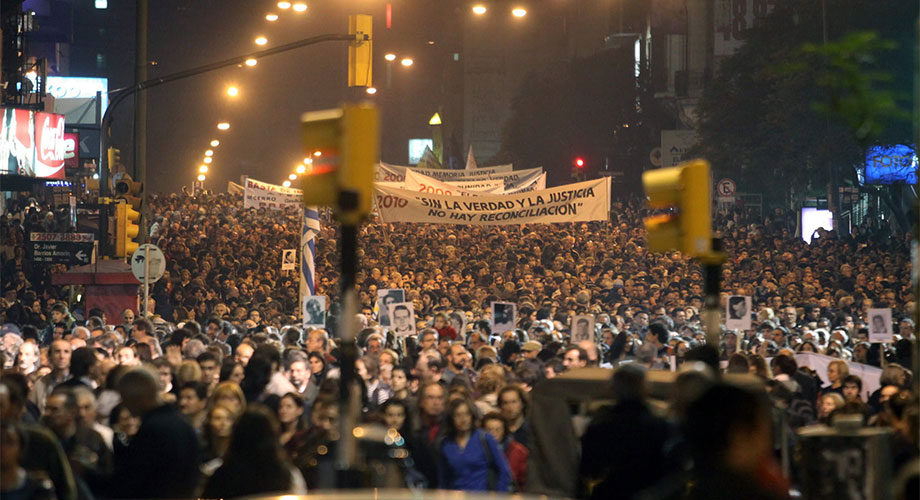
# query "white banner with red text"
(580, 202)
(396, 173)
(425, 184)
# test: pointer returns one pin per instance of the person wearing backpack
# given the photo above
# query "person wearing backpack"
(470, 459)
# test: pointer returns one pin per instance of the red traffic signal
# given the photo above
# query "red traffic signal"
(579, 162)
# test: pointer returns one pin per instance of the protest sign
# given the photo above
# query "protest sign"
(581, 202)
(396, 173)
(257, 194)
(425, 184)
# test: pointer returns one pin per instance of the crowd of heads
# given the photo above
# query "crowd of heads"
(224, 345)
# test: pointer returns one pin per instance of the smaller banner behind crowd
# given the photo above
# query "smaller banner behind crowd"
(580, 202)
(425, 184)
(258, 194)
(396, 173)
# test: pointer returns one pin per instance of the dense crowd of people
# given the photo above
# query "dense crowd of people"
(222, 391)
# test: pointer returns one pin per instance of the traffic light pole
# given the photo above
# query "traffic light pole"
(119, 95)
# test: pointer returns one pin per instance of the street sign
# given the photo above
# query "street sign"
(725, 187)
(157, 262)
(71, 249)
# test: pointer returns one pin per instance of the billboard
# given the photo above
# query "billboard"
(417, 148)
(895, 164)
(32, 144)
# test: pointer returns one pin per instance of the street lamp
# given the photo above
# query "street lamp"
(300, 7)
(251, 62)
(519, 12)
(271, 17)
(208, 160)
(223, 126)
(301, 169)
(284, 5)
(390, 57)
(201, 177)
(371, 90)
(209, 153)
(203, 169)
(479, 9)
(215, 143)
(286, 183)
(261, 40)
(406, 61)
(233, 91)
(292, 177)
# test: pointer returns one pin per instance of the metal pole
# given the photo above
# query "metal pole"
(140, 111)
(146, 279)
(350, 398)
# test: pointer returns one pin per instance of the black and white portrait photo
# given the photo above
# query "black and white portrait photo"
(880, 327)
(314, 311)
(402, 317)
(386, 298)
(582, 328)
(503, 317)
(738, 312)
(288, 259)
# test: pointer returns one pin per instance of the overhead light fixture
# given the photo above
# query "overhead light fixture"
(203, 169)
(215, 143)
(371, 90)
(286, 183)
(223, 126)
(271, 17)
(208, 160)
(261, 40)
(300, 7)
(479, 9)
(251, 62)
(284, 5)
(209, 153)
(292, 177)
(519, 12)
(390, 57)
(301, 169)
(407, 61)
(201, 177)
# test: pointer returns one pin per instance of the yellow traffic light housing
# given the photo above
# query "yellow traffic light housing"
(360, 51)
(126, 230)
(343, 145)
(113, 155)
(127, 189)
(685, 189)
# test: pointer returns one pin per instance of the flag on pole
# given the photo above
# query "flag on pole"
(471, 160)
(308, 234)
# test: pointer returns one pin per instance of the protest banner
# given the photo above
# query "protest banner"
(425, 184)
(534, 182)
(258, 194)
(581, 202)
(396, 173)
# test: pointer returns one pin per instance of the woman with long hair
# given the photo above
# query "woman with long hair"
(218, 425)
(293, 426)
(376, 392)
(255, 463)
(470, 459)
(232, 370)
(837, 370)
(229, 394)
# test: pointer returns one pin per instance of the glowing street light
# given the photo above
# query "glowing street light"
(300, 7)
(271, 17)
(208, 160)
(284, 5)
(390, 57)
(286, 183)
(292, 177)
(519, 12)
(223, 126)
(215, 143)
(479, 9)
(203, 169)
(301, 169)
(233, 91)
(201, 177)
(209, 153)
(371, 90)
(251, 62)
(261, 40)
(407, 61)
(317, 153)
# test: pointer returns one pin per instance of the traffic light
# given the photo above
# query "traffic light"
(126, 229)
(685, 190)
(114, 157)
(579, 162)
(128, 190)
(360, 51)
(344, 146)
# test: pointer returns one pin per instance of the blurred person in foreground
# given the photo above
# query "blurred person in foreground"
(729, 433)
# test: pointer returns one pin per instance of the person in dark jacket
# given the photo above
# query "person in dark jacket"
(165, 446)
(625, 449)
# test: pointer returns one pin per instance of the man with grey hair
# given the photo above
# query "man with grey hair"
(624, 448)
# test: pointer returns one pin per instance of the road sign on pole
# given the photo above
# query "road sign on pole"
(71, 249)
(148, 265)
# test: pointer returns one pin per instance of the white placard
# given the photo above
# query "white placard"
(288, 259)
(314, 311)
(880, 326)
(403, 319)
(582, 328)
(385, 298)
(504, 317)
(738, 313)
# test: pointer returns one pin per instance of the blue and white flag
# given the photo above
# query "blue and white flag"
(308, 234)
